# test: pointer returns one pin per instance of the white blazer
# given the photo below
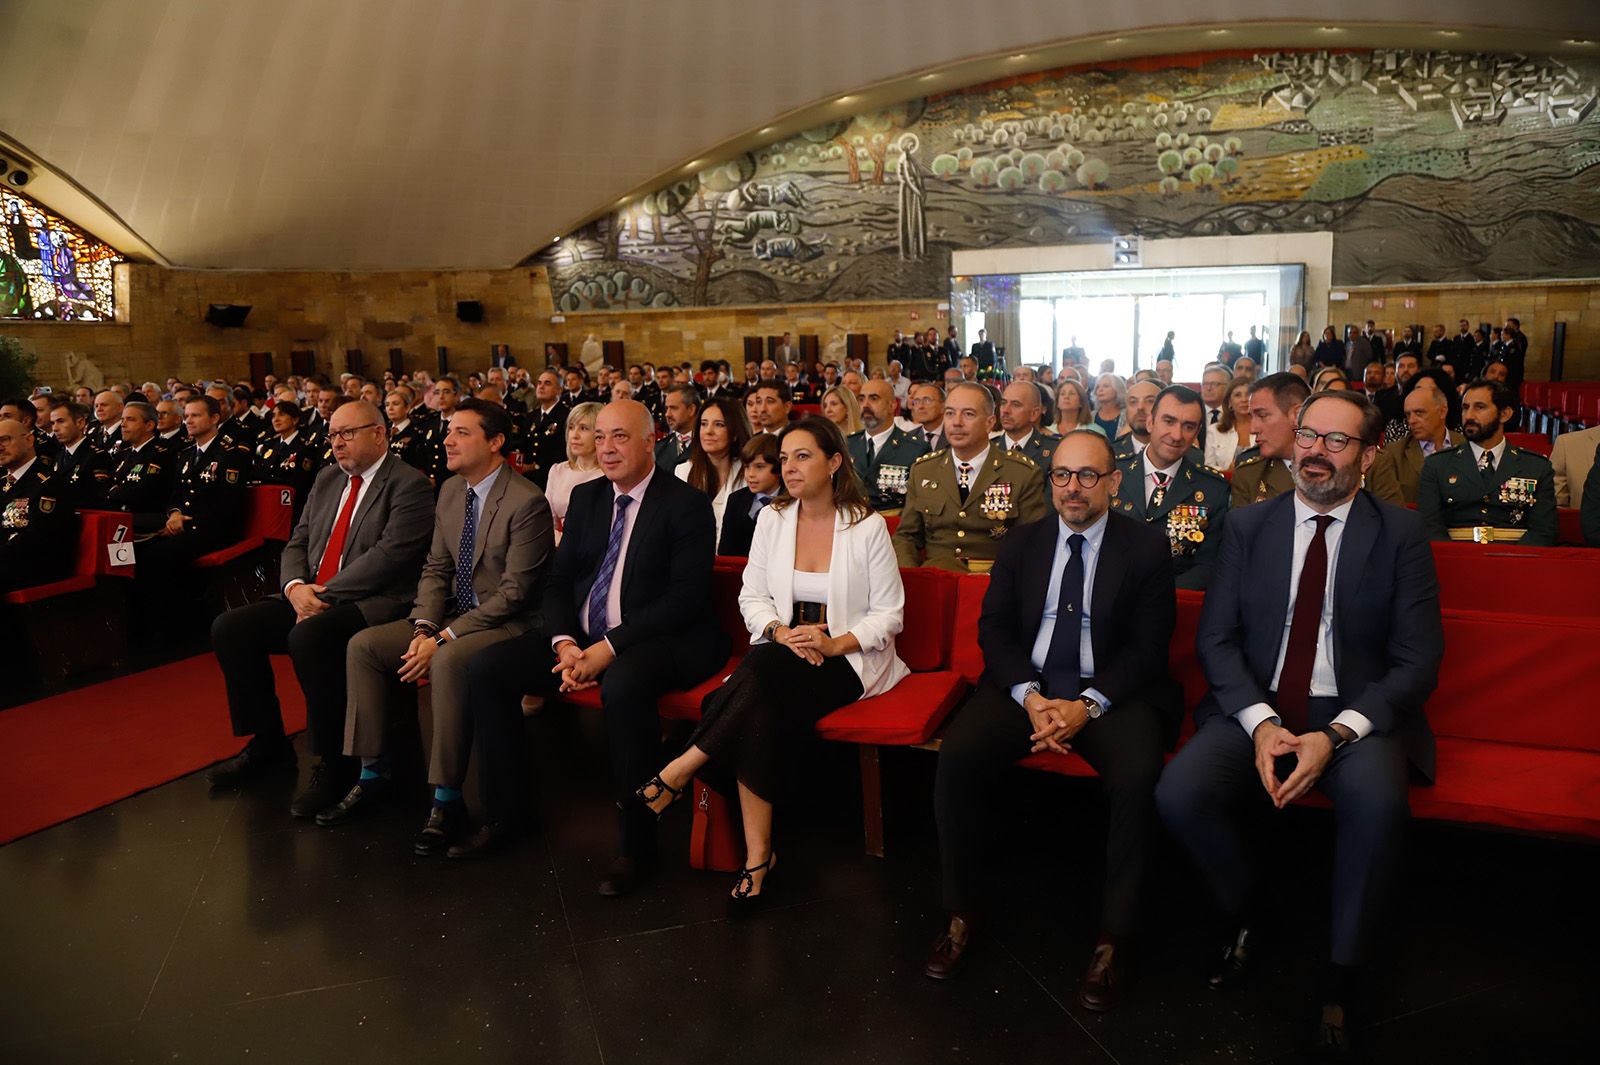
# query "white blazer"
(719, 502)
(1222, 448)
(865, 596)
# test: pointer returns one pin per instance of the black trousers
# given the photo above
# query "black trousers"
(989, 734)
(1211, 793)
(243, 639)
(501, 675)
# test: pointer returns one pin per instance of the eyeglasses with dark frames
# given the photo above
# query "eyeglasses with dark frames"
(1061, 476)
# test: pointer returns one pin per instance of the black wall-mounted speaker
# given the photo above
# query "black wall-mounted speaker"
(226, 315)
(469, 311)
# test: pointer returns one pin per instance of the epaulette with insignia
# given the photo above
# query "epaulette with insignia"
(1020, 457)
(1251, 461)
(1213, 471)
(929, 455)
(1450, 450)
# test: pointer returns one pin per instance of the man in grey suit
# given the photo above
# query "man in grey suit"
(492, 536)
(351, 562)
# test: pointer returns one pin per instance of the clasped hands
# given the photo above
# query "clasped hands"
(1312, 751)
(810, 642)
(580, 667)
(307, 600)
(1055, 722)
(175, 523)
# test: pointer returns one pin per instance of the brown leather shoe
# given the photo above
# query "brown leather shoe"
(950, 949)
(1101, 988)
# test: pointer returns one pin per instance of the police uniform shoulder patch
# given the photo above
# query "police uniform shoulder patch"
(46, 504)
(232, 476)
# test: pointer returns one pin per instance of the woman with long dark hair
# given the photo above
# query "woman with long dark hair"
(823, 601)
(713, 462)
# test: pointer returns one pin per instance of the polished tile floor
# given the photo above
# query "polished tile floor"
(184, 926)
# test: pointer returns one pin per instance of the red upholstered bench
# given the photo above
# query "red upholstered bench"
(1538, 443)
(1569, 532)
(1554, 581)
(81, 633)
(269, 516)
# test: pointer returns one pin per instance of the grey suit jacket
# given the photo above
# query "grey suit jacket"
(385, 546)
(1571, 458)
(512, 548)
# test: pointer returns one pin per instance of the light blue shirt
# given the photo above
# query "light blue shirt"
(1093, 537)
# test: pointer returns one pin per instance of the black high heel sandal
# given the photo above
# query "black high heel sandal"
(742, 903)
(658, 787)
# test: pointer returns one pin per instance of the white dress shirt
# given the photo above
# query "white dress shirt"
(344, 494)
(976, 462)
(719, 502)
(1499, 451)
(877, 442)
(1324, 681)
(614, 593)
(1093, 537)
(1150, 471)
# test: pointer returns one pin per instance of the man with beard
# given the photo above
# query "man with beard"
(1487, 491)
(882, 452)
(1327, 566)
(1141, 401)
(1262, 470)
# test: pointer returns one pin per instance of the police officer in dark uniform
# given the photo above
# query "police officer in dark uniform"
(411, 439)
(883, 453)
(36, 541)
(83, 465)
(1165, 487)
(22, 410)
(142, 469)
(239, 427)
(207, 507)
(984, 351)
(286, 457)
(1487, 491)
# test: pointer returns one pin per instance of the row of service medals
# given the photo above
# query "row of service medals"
(1186, 525)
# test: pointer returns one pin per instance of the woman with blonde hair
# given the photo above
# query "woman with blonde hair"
(580, 464)
(1111, 405)
(841, 407)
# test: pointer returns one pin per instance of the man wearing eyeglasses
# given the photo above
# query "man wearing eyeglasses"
(1166, 487)
(1321, 639)
(1074, 632)
(352, 561)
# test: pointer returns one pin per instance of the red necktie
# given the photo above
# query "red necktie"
(1294, 680)
(341, 529)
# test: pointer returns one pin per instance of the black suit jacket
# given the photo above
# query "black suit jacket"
(739, 528)
(1133, 609)
(1387, 635)
(665, 574)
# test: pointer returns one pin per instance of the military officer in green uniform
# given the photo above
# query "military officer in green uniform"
(1021, 409)
(882, 452)
(1165, 487)
(36, 541)
(962, 500)
(141, 471)
(1262, 470)
(1487, 491)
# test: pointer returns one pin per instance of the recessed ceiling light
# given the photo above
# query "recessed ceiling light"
(844, 99)
(1449, 33)
(1019, 55)
(695, 165)
(1328, 29)
(927, 77)
(1114, 40)
(1216, 33)
(765, 129)
(1574, 40)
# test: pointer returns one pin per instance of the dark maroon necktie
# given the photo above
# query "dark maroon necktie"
(1294, 680)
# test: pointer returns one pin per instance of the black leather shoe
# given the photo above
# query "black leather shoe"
(742, 903)
(447, 823)
(326, 787)
(624, 875)
(1101, 988)
(494, 836)
(252, 763)
(949, 951)
(363, 797)
(1331, 1041)
(1234, 966)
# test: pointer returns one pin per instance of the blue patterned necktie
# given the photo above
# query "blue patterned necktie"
(469, 537)
(1062, 679)
(762, 499)
(600, 591)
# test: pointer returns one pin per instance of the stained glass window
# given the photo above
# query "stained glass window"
(50, 269)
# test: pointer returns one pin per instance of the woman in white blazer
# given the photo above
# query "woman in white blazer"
(823, 601)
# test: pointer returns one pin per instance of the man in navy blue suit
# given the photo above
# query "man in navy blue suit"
(1321, 640)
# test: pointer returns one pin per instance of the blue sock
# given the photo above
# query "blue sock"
(374, 768)
(444, 795)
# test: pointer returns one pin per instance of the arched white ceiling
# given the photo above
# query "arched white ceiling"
(411, 134)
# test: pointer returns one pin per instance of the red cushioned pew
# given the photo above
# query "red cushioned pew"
(76, 623)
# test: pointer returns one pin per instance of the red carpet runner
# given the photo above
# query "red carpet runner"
(72, 753)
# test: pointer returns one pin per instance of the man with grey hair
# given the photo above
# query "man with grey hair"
(1398, 469)
(169, 424)
(142, 470)
(107, 430)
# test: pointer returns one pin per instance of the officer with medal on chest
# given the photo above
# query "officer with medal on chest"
(207, 508)
(285, 457)
(84, 467)
(1487, 491)
(141, 471)
(411, 438)
(546, 428)
(1021, 407)
(1165, 486)
(963, 499)
(882, 452)
(36, 541)
(1262, 469)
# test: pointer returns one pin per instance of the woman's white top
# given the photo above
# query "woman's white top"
(810, 587)
(1222, 448)
(558, 490)
(719, 502)
(864, 594)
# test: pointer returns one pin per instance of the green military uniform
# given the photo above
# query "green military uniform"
(1040, 448)
(1515, 503)
(1123, 447)
(887, 474)
(545, 436)
(965, 535)
(141, 483)
(1191, 512)
(36, 541)
(1398, 469)
(1256, 478)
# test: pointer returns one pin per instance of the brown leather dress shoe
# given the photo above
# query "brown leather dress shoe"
(1101, 988)
(950, 949)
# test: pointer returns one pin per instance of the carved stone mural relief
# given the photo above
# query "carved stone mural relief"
(1427, 166)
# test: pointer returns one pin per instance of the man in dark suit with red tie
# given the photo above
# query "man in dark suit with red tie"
(625, 609)
(1321, 640)
(352, 561)
(1074, 633)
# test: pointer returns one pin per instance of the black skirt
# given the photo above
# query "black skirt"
(769, 706)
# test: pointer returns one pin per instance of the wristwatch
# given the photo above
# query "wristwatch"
(1093, 704)
(441, 639)
(1335, 735)
(772, 627)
